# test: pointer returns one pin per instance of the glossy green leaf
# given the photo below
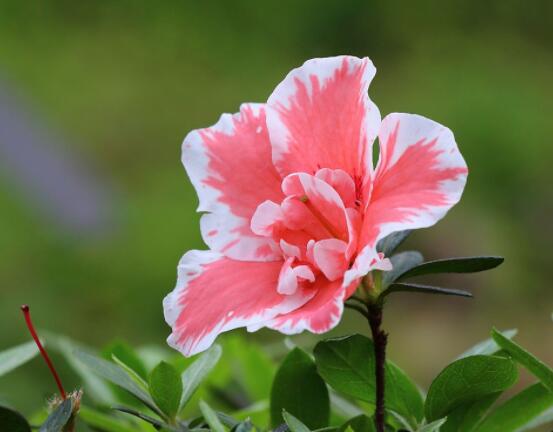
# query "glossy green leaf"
(424, 289)
(197, 372)
(465, 417)
(347, 365)
(454, 265)
(131, 373)
(103, 422)
(535, 366)
(114, 374)
(12, 358)
(391, 242)
(361, 423)
(468, 379)
(518, 411)
(435, 426)
(166, 388)
(211, 418)
(293, 423)
(298, 389)
(12, 421)
(401, 263)
(59, 417)
(126, 354)
(489, 346)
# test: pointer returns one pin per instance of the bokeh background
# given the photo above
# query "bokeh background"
(96, 209)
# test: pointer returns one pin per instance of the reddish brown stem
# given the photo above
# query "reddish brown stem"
(27, 314)
(380, 339)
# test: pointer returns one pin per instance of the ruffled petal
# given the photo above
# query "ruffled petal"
(231, 168)
(215, 294)
(321, 116)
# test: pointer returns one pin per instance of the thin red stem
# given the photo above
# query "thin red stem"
(27, 314)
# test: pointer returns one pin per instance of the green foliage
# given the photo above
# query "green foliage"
(424, 289)
(467, 416)
(12, 358)
(539, 369)
(197, 372)
(347, 364)
(488, 346)
(211, 418)
(361, 423)
(293, 423)
(454, 265)
(298, 389)
(401, 263)
(59, 417)
(466, 380)
(166, 388)
(12, 421)
(392, 241)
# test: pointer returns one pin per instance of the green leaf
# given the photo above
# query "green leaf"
(424, 289)
(112, 373)
(166, 388)
(435, 426)
(12, 421)
(454, 265)
(131, 373)
(197, 372)
(104, 422)
(487, 347)
(465, 417)
(535, 366)
(293, 423)
(14, 357)
(126, 354)
(158, 424)
(347, 365)
(466, 380)
(518, 411)
(298, 389)
(245, 426)
(95, 387)
(361, 423)
(401, 263)
(391, 242)
(59, 417)
(211, 418)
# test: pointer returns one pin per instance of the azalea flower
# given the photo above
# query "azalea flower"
(294, 206)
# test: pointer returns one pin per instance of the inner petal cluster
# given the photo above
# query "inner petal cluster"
(314, 228)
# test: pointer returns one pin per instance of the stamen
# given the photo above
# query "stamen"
(320, 217)
(27, 314)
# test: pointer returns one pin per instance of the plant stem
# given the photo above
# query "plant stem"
(380, 339)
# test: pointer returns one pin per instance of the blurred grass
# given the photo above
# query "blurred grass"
(125, 81)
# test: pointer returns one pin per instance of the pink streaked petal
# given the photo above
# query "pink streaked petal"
(319, 315)
(419, 177)
(290, 250)
(215, 294)
(341, 182)
(231, 169)
(367, 260)
(288, 278)
(330, 258)
(266, 219)
(321, 116)
(320, 204)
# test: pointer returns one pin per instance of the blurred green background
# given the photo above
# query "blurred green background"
(122, 82)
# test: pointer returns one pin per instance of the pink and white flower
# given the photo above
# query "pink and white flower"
(294, 207)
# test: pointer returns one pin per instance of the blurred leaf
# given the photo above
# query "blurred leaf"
(131, 373)
(158, 424)
(258, 413)
(347, 364)
(435, 426)
(245, 426)
(298, 389)
(166, 388)
(391, 242)
(487, 347)
(423, 289)
(454, 265)
(293, 423)
(361, 423)
(197, 371)
(211, 418)
(401, 263)
(12, 421)
(465, 417)
(518, 411)
(59, 417)
(104, 422)
(535, 366)
(126, 354)
(14, 357)
(112, 373)
(466, 380)
(95, 387)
